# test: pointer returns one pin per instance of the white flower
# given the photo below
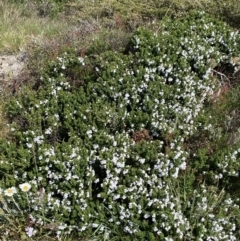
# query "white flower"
(10, 191)
(81, 60)
(48, 131)
(95, 225)
(142, 160)
(38, 139)
(25, 187)
(97, 180)
(30, 231)
(146, 215)
(183, 166)
(61, 227)
(29, 145)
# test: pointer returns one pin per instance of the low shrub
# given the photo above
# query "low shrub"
(106, 140)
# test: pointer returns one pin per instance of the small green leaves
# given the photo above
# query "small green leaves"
(109, 142)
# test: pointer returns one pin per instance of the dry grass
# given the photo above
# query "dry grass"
(21, 24)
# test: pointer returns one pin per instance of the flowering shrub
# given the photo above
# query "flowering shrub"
(104, 141)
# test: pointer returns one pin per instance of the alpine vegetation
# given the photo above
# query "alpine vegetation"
(106, 143)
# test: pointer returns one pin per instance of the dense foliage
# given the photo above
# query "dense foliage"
(107, 141)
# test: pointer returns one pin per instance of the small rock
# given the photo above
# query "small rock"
(11, 66)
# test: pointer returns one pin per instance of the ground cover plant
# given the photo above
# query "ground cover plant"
(125, 144)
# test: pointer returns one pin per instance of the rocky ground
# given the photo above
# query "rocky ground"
(11, 66)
